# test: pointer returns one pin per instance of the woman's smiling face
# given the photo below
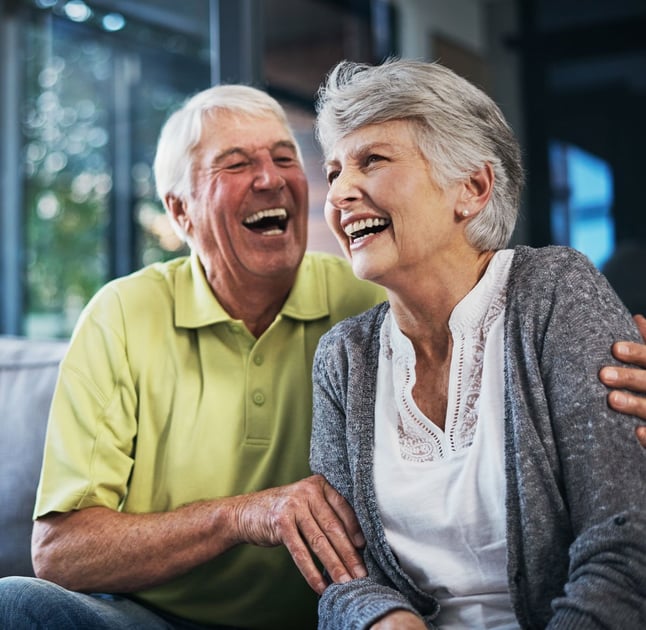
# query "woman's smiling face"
(384, 207)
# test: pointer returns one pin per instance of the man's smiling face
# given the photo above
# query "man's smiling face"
(248, 211)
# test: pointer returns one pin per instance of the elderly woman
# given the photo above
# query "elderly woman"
(464, 419)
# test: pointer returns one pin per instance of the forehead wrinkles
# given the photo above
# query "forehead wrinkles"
(229, 119)
(226, 132)
(393, 135)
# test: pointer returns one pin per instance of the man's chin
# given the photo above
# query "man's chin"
(283, 261)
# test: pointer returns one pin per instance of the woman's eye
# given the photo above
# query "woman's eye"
(331, 176)
(372, 158)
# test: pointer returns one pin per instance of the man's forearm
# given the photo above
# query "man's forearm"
(98, 549)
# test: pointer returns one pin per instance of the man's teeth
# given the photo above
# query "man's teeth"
(277, 213)
(354, 229)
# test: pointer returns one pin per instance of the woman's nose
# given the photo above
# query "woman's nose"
(343, 190)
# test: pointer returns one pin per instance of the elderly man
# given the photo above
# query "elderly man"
(175, 481)
(180, 426)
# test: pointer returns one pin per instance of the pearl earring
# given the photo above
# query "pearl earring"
(465, 213)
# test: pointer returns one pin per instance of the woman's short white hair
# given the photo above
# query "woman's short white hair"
(458, 128)
(182, 131)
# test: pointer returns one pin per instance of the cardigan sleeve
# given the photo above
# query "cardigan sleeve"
(358, 604)
(564, 334)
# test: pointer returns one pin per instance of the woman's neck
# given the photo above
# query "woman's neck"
(422, 306)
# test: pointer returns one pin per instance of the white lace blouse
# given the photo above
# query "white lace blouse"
(441, 494)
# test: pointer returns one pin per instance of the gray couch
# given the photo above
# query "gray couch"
(28, 372)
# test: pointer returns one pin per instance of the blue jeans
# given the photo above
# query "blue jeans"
(33, 604)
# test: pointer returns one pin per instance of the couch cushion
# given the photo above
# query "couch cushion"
(28, 372)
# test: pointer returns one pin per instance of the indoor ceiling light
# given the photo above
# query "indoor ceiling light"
(77, 11)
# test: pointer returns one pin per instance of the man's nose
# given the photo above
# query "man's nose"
(268, 175)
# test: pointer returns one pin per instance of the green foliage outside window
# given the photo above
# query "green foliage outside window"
(72, 121)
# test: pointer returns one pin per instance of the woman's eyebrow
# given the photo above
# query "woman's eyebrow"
(373, 146)
(361, 150)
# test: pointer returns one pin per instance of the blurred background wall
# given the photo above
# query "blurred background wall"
(85, 86)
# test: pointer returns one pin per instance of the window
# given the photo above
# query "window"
(582, 199)
(96, 87)
(86, 87)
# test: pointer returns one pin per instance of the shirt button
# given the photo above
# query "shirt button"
(258, 398)
(258, 359)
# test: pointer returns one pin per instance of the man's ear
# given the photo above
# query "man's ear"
(176, 207)
(476, 192)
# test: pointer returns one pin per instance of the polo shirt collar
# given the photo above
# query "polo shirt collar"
(196, 306)
(308, 299)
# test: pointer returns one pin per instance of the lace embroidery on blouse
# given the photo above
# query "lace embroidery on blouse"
(420, 440)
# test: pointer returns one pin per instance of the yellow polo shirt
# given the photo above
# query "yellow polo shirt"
(163, 399)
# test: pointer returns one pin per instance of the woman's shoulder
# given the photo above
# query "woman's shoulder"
(554, 267)
(359, 329)
(560, 284)
(549, 258)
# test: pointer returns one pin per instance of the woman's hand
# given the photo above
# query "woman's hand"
(399, 620)
(633, 379)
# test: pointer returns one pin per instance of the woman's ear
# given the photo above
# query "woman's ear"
(176, 207)
(476, 192)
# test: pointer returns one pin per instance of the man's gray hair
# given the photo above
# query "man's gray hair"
(182, 131)
(458, 129)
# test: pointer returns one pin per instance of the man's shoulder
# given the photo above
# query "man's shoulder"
(327, 263)
(131, 297)
(153, 274)
(341, 283)
(155, 278)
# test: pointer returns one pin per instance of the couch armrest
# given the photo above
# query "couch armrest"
(28, 373)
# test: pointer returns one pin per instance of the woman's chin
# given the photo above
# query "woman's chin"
(365, 271)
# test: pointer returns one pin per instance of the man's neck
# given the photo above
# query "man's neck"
(256, 304)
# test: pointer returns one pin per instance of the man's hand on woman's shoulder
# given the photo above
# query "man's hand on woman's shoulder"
(631, 402)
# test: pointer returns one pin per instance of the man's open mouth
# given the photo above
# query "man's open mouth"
(269, 222)
(364, 227)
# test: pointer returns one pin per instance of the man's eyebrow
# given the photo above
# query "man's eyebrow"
(281, 144)
(285, 144)
(228, 152)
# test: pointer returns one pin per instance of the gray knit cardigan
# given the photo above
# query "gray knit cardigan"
(575, 473)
